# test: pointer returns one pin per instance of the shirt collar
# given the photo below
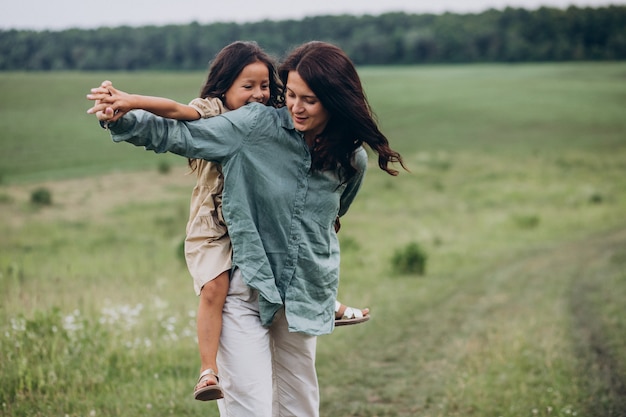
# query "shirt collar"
(285, 118)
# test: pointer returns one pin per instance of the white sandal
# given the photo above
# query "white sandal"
(208, 392)
(349, 316)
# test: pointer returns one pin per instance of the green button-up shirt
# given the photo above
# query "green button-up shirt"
(280, 214)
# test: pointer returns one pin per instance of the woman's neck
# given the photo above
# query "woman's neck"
(309, 138)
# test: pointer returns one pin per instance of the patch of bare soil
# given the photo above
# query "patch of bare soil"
(89, 199)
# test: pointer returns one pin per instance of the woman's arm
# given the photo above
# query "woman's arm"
(354, 184)
(213, 138)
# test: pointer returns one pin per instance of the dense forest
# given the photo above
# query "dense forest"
(509, 35)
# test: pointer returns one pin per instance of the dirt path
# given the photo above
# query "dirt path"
(597, 350)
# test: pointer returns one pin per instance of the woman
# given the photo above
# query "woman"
(288, 174)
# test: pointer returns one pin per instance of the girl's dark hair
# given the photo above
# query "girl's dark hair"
(228, 64)
(331, 75)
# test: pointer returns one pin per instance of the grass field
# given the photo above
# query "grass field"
(517, 193)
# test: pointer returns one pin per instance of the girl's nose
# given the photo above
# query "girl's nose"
(258, 94)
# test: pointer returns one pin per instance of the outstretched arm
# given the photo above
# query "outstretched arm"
(116, 103)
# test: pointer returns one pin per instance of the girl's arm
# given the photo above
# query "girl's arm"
(120, 102)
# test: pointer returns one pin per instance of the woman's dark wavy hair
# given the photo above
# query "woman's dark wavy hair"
(228, 64)
(331, 75)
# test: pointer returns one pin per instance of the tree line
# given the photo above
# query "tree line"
(508, 35)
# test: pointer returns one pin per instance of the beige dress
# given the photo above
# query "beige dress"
(208, 250)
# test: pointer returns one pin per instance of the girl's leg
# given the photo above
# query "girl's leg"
(209, 325)
(295, 378)
(244, 356)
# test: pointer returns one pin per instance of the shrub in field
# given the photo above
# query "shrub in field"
(5, 198)
(349, 244)
(180, 251)
(41, 197)
(164, 167)
(528, 221)
(410, 259)
(596, 198)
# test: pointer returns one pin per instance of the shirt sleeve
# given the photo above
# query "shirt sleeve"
(213, 139)
(354, 185)
(208, 107)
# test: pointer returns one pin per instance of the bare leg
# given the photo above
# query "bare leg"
(209, 324)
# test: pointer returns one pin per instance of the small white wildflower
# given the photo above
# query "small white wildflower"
(160, 304)
(124, 315)
(149, 406)
(19, 325)
(535, 411)
(92, 413)
(72, 323)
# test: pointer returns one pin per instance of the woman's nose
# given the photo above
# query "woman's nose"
(297, 106)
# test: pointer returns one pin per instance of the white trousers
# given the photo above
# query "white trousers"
(265, 372)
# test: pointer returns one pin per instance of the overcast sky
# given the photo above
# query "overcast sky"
(64, 14)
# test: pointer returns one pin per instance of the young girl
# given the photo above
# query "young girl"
(241, 73)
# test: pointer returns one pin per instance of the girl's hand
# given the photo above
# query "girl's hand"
(110, 103)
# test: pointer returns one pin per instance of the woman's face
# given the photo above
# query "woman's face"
(252, 85)
(307, 112)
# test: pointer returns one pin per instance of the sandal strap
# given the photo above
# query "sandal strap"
(207, 372)
(352, 313)
(349, 312)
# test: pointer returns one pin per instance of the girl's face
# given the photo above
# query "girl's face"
(252, 85)
(308, 114)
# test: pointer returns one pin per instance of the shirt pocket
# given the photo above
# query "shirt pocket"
(325, 192)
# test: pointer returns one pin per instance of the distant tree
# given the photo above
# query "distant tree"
(508, 35)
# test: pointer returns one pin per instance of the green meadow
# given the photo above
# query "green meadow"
(516, 197)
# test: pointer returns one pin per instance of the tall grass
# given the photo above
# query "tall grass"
(515, 195)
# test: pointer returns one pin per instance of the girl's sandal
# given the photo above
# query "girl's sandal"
(349, 315)
(208, 392)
